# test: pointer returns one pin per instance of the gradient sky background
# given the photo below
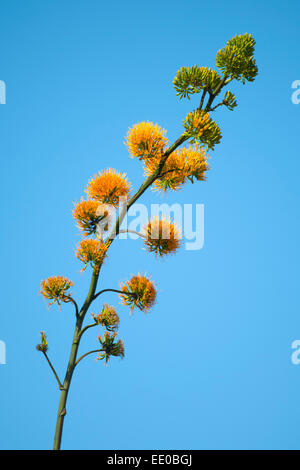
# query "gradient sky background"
(210, 367)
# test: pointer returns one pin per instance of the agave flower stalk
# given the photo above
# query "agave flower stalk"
(167, 168)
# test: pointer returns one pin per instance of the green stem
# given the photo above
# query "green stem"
(86, 328)
(86, 354)
(134, 231)
(53, 370)
(72, 362)
(212, 96)
(111, 290)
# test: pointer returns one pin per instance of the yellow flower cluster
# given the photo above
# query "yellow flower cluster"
(108, 318)
(139, 292)
(173, 171)
(195, 162)
(183, 164)
(202, 129)
(199, 121)
(146, 140)
(91, 215)
(55, 288)
(162, 236)
(85, 213)
(92, 251)
(108, 186)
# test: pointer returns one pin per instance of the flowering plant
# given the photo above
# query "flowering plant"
(167, 168)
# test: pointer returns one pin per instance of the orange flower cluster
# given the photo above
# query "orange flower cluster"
(85, 213)
(162, 236)
(108, 318)
(92, 251)
(181, 165)
(108, 186)
(195, 162)
(55, 288)
(139, 292)
(91, 216)
(173, 175)
(146, 140)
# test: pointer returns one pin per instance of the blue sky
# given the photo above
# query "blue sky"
(210, 367)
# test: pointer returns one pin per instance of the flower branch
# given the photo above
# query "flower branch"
(109, 290)
(86, 354)
(53, 370)
(85, 329)
(74, 303)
